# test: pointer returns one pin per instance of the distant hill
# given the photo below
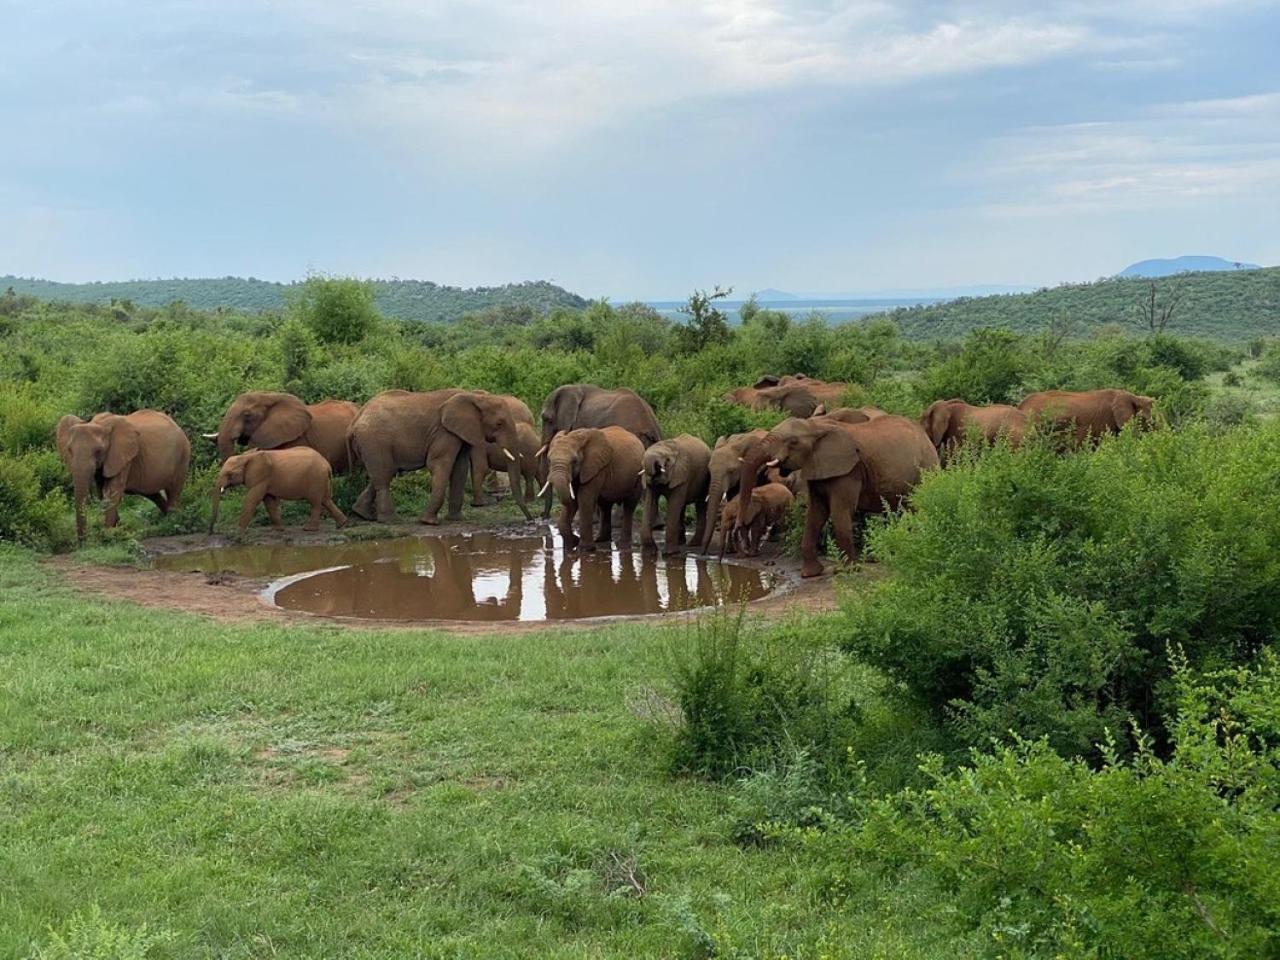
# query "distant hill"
(770, 295)
(1225, 305)
(404, 299)
(1167, 268)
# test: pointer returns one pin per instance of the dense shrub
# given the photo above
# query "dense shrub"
(337, 309)
(28, 516)
(1037, 593)
(1146, 857)
(989, 368)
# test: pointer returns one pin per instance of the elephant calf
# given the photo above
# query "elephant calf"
(767, 509)
(677, 469)
(297, 473)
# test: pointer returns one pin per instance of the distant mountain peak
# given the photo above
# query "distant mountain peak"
(770, 295)
(1176, 265)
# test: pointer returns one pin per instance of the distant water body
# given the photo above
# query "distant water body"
(833, 311)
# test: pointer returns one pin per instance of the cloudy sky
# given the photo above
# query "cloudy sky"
(637, 148)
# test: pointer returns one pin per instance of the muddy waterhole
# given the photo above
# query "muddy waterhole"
(479, 576)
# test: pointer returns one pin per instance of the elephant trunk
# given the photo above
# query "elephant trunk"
(82, 481)
(715, 493)
(217, 501)
(753, 462)
(515, 477)
(561, 479)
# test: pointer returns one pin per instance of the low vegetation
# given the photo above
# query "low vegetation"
(1042, 723)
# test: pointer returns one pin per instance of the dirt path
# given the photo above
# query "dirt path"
(236, 599)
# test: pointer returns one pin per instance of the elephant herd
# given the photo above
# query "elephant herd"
(594, 449)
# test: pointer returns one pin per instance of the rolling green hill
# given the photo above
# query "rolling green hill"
(404, 299)
(1237, 305)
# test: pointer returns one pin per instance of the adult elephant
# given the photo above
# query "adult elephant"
(849, 468)
(678, 470)
(1089, 413)
(144, 453)
(446, 431)
(948, 423)
(266, 420)
(497, 454)
(577, 406)
(751, 397)
(723, 470)
(801, 398)
(591, 470)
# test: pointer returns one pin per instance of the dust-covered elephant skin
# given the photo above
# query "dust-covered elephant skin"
(266, 420)
(677, 470)
(590, 470)
(1088, 414)
(950, 423)
(143, 453)
(269, 476)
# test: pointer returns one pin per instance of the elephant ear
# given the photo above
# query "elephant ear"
(1123, 407)
(122, 448)
(720, 442)
(63, 435)
(768, 380)
(596, 454)
(936, 421)
(835, 453)
(286, 421)
(461, 417)
(567, 405)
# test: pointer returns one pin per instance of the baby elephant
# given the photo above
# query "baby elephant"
(296, 473)
(769, 505)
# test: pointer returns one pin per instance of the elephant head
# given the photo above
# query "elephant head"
(231, 474)
(664, 467)
(822, 448)
(95, 452)
(724, 467)
(1130, 406)
(560, 411)
(480, 419)
(937, 420)
(794, 398)
(262, 419)
(576, 455)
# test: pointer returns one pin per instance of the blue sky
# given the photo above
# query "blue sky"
(638, 148)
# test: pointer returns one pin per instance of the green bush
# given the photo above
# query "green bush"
(1268, 365)
(337, 309)
(26, 423)
(746, 696)
(989, 368)
(1037, 593)
(27, 516)
(1145, 857)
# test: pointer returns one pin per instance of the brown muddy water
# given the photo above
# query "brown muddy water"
(479, 576)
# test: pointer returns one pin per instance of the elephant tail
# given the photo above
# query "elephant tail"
(353, 451)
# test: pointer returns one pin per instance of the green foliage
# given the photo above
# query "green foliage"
(745, 697)
(28, 515)
(988, 368)
(335, 309)
(89, 935)
(297, 343)
(1036, 593)
(1268, 365)
(1146, 857)
(705, 323)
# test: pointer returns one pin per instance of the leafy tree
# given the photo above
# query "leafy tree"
(337, 309)
(707, 324)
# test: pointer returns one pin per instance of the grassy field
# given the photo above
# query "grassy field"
(326, 792)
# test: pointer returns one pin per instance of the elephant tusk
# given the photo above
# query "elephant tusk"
(222, 490)
(510, 456)
(572, 495)
(209, 436)
(541, 450)
(773, 463)
(544, 488)
(640, 474)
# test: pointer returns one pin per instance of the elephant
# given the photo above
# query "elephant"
(143, 452)
(849, 414)
(677, 469)
(604, 463)
(751, 397)
(948, 422)
(728, 524)
(496, 457)
(768, 508)
(849, 468)
(801, 398)
(1090, 413)
(526, 451)
(266, 420)
(724, 468)
(445, 430)
(298, 473)
(577, 405)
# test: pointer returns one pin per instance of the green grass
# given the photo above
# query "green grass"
(253, 791)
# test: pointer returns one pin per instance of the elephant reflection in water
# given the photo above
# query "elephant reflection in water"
(618, 584)
(433, 582)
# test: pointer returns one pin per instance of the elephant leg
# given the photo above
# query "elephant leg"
(587, 509)
(567, 513)
(646, 523)
(605, 533)
(842, 527)
(273, 511)
(628, 518)
(700, 529)
(479, 468)
(363, 507)
(441, 467)
(457, 485)
(251, 501)
(673, 533)
(313, 521)
(339, 518)
(815, 519)
(113, 493)
(159, 500)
